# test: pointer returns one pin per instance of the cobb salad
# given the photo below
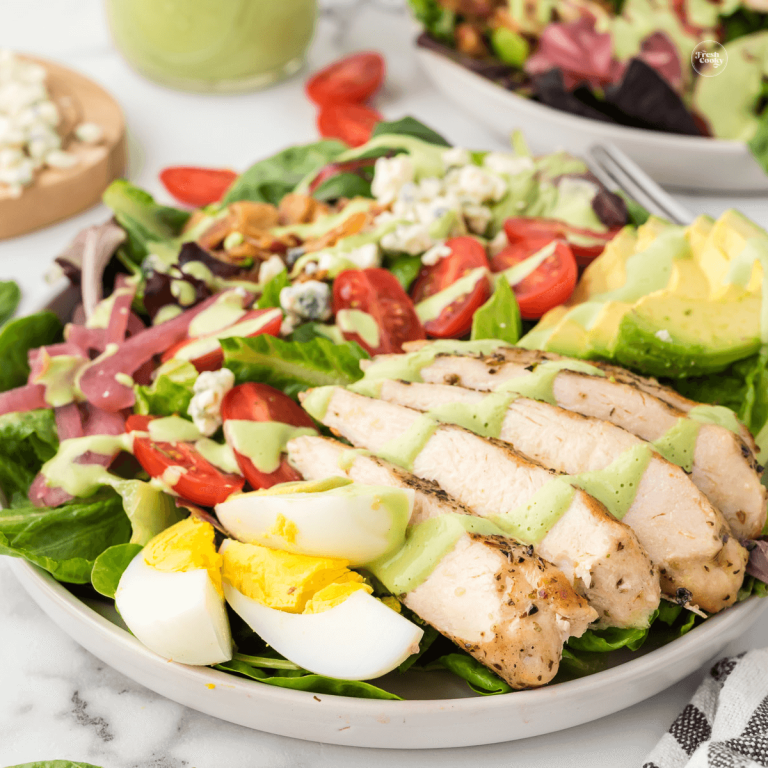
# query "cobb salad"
(693, 67)
(318, 431)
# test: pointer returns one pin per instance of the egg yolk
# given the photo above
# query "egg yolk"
(287, 581)
(285, 529)
(186, 546)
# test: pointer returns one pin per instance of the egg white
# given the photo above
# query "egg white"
(178, 615)
(359, 639)
(358, 528)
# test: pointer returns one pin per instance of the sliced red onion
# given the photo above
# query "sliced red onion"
(69, 422)
(98, 382)
(658, 51)
(201, 514)
(26, 398)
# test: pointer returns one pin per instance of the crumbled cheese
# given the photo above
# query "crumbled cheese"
(310, 300)
(663, 335)
(205, 406)
(478, 218)
(435, 253)
(506, 164)
(498, 244)
(89, 133)
(456, 156)
(475, 184)
(270, 269)
(29, 140)
(412, 238)
(389, 175)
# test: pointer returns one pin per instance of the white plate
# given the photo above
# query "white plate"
(685, 162)
(428, 723)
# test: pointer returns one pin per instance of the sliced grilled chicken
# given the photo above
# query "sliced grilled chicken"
(685, 536)
(724, 466)
(492, 597)
(599, 555)
(320, 457)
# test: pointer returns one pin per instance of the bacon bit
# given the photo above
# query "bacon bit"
(469, 40)
(300, 209)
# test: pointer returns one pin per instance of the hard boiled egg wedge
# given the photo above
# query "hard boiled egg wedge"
(315, 612)
(325, 518)
(171, 597)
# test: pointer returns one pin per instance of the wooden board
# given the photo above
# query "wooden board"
(57, 194)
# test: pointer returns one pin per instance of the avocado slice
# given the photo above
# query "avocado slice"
(670, 335)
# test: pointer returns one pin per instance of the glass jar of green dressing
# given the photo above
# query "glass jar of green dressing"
(213, 45)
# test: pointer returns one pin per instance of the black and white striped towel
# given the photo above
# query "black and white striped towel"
(726, 723)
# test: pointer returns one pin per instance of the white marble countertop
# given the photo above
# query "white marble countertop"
(58, 701)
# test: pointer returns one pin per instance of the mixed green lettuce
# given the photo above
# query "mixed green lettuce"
(17, 337)
(10, 296)
(499, 318)
(27, 441)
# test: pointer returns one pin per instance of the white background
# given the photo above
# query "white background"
(57, 701)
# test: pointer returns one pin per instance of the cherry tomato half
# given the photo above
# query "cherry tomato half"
(352, 79)
(352, 123)
(378, 293)
(260, 402)
(197, 186)
(549, 285)
(197, 479)
(455, 320)
(212, 359)
(586, 244)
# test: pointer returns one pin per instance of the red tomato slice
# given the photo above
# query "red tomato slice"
(353, 79)
(378, 292)
(352, 123)
(455, 320)
(137, 422)
(201, 482)
(549, 285)
(586, 244)
(212, 360)
(260, 402)
(197, 186)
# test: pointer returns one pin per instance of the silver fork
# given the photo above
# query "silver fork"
(617, 172)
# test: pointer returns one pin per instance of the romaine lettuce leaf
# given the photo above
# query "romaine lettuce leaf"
(499, 317)
(293, 366)
(269, 180)
(17, 337)
(10, 295)
(170, 392)
(270, 297)
(65, 540)
(27, 441)
(109, 566)
(405, 268)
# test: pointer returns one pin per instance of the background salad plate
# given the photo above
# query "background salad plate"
(439, 712)
(692, 163)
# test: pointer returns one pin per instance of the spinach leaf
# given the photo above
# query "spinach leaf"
(293, 366)
(54, 764)
(271, 295)
(170, 392)
(638, 215)
(17, 337)
(480, 678)
(27, 441)
(343, 185)
(10, 296)
(610, 639)
(499, 317)
(409, 126)
(65, 540)
(405, 268)
(269, 180)
(109, 566)
(299, 679)
(143, 220)
(752, 586)
(438, 21)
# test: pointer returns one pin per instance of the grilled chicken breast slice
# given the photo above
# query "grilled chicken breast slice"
(724, 466)
(685, 536)
(594, 550)
(485, 592)
(319, 457)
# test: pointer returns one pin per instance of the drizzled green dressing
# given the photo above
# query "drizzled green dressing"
(172, 429)
(218, 454)
(426, 544)
(404, 449)
(539, 384)
(519, 272)
(430, 308)
(361, 323)
(716, 414)
(483, 418)
(316, 402)
(347, 458)
(678, 443)
(262, 442)
(58, 377)
(225, 311)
